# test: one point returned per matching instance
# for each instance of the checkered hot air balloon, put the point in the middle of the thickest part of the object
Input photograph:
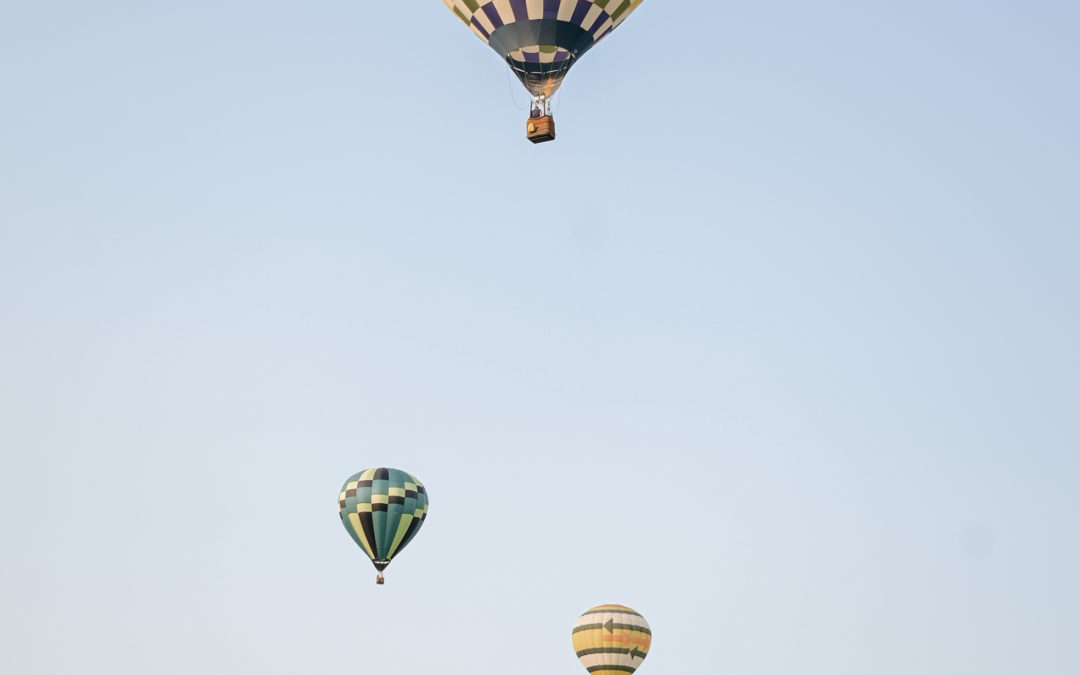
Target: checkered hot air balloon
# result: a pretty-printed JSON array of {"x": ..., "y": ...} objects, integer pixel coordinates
[
  {"x": 541, "y": 39},
  {"x": 382, "y": 509},
  {"x": 611, "y": 640}
]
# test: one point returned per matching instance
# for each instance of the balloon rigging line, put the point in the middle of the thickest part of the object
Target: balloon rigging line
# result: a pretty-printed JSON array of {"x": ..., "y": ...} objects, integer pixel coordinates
[{"x": 510, "y": 90}]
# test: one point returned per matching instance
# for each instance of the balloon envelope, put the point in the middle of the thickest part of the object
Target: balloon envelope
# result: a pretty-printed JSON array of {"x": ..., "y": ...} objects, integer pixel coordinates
[
  {"x": 611, "y": 639},
  {"x": 541, "y": 39},
  {"x": 382, "y": 509}
]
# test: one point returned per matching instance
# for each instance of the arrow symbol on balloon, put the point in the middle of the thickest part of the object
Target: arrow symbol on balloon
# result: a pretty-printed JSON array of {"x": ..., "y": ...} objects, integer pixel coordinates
[
  {"x": 635, "y": 653},
  {"x": 623, "y": 637}
]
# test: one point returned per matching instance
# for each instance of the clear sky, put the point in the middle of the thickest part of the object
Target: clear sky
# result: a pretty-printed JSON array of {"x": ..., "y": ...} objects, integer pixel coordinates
[{"x": 777, "y": 343}]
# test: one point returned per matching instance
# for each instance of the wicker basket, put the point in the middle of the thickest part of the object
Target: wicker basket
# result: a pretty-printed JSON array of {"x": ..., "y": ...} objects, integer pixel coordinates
[{"x": 540, "y": 129}]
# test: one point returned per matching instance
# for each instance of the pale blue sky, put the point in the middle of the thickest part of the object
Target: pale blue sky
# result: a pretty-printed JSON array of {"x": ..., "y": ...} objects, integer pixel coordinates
[{"x": 777, "y": 343}]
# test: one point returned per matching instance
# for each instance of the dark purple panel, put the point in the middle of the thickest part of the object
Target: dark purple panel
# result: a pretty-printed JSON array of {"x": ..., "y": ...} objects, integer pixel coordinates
[
  {"x": 583, "y": 7},
  {"x": 489, "y": 9},
  {"x": 480, "y": 27},
  {"x": 604, "y": 16}
]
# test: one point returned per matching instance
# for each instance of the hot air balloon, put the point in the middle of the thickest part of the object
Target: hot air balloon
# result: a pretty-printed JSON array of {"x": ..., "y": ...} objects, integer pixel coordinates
[
  {"x": 541, "y": 40},
  {"x": 611, "y": 639},
  {"x": 382, "y": 509}
]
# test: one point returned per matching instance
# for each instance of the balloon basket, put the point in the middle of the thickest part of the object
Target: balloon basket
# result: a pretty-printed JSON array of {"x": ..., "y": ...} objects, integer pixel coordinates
[
  {"x": 379, "y": 579},
  {"x": 540, "y": 129}
]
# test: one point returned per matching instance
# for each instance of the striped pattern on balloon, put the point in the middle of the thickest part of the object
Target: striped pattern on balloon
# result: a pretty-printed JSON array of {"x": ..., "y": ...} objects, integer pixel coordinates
[{"x": 611, "y": 639}]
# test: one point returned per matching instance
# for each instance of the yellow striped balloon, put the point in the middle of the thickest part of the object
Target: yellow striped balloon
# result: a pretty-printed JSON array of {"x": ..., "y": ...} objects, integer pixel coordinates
[{"x": 611, "y": 639}]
